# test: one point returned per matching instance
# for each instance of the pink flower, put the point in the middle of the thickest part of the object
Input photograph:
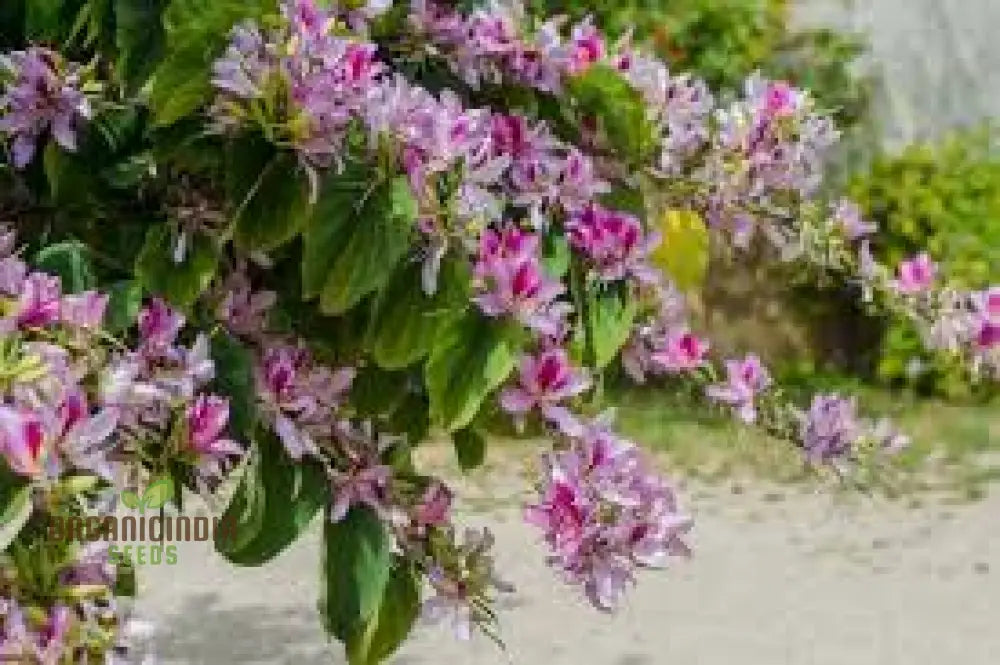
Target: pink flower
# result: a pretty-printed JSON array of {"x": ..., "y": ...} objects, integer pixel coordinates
[
  {"x": 207, "y": 419},
  {"x": 159, "y": 326},
  {"x": 915, "y": 275},
  {"x": 511, "y": 282},
  {"x": 84, "y": 310},
  {"x": 988, "y": 312},
  {"x": 745, "y": 379},
  {"x": 300, "y": 396},
  {"x": 682, "y": 351},
  {"x": 39, "y": 304},
  {"x": 614, "y": 242},
  {"x": 546, "y": 380},
  {"x": 781, "y": 99},
  {"x": 434, "y": 508},
  {"x": 365, "y": 480},
  {"x": 588, "y": 46},
  {"x": 604, "y": 514},
  {"x": 23, "y": 443}
]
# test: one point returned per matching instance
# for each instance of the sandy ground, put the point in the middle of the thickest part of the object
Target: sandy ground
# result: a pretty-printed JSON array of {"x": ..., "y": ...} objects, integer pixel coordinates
[{"x": 778, "y": 578}]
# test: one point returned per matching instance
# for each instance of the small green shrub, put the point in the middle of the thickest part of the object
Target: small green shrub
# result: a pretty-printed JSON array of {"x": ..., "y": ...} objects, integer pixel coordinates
[{"x": 944, "y": 197}]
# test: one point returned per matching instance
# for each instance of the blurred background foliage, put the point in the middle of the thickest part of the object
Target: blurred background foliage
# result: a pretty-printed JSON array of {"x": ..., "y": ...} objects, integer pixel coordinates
[{"x": 943, "y": 196}]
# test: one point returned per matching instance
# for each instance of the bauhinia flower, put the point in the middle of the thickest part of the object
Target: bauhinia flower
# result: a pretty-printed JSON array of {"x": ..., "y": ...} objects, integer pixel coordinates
[
  {"x": 300, "y": 396},
  {"x": 207, "y": 419},
  {"x": 604, "y": 513},
  {"x": 547, "y": 381},
  {"x": 515, "y": 284},
  {"x": 360, "y": 477},
  {"x": 614, "y": 242},
  {"x": 745, "y": 379},
  {"x": 915, "y": 275},
  {"x": 829, "y": 430},
  {"x": 45, "y": 96},
  {"x": 680, "y": 351}
]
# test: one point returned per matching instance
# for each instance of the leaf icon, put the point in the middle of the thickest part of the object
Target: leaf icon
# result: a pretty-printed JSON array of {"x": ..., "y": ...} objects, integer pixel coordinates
[
  {"x": 131, "y": 500},
  {"x": 159, "y": 493}
]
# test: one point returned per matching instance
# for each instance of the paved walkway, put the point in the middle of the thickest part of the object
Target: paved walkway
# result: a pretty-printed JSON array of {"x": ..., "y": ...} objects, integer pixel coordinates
[{"x": 798, "y": 580}]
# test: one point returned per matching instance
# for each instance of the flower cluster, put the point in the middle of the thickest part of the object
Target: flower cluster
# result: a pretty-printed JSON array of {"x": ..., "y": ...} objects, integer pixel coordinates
[
  {"x": 613, "y": 242},
  {"x": 831, "y": 430},
  {"x": 90, "y": 626},
  {"x": 604, "y": 513},
  {"x": 511, "y": 282},
  {"x": 328, "y": 78},
  {"x": 663, "y": 343},
  {"x": 44, "y": 95}
]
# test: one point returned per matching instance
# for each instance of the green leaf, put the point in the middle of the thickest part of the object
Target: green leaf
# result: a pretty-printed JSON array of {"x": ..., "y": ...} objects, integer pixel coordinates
[
  {"x": 179, "y": 283},
  {"x": 197, "y": 32},
  {"x": 43, "y": 20},
  {"x": 70, "y": 261},
  {"x": 124, "y": 303},
  {"x": 388, "y": 627},
  {"x": 234, "y": 378},
  {"x": 356, "y": 568},
  {"x": 328, "y": 229},
  {"x": 268, "y": 191},
  {"x": 471, "y": 358},
  {"x": 131, "y": 500},
  {"x": 15, "y": 505},
  {"x": 275, "y": 501},
  {"x": 610, "y": 314},
  {"x": 139, "y": 37},
  {"x": 683, "y": 252},
  {"x": 470, "y": 448},
  {"x": 556, "y": 255},
  {"x": 380, "y": 238},
  {"x": 602, "y": 92},
  {"x": 408, "y": 321},
  {"x": 159, "y": 493}
]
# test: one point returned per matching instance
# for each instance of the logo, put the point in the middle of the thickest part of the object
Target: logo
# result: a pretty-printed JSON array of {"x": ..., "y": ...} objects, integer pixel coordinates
[{"x": 148, "y": 537}]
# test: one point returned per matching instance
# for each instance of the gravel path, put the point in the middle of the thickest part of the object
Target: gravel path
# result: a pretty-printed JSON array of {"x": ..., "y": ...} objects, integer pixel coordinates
[{"x": 798, "y": 580}]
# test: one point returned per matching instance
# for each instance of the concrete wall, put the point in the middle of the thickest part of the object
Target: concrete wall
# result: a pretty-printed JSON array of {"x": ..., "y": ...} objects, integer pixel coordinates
[{"x": 938, "y": 60}]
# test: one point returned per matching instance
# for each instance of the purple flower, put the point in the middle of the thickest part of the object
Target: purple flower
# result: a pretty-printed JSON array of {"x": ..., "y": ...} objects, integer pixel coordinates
[
  {"x": 915, "y": 275},
  {"x": 159, "y": 326},
  {"x": 364, "y": 480},
  {"x": 588, "y": 46},
  {"x": 829, "y": 430},
  {"x": 681, "y": 351},
  {"x": 300, "y": 396},
  {"x": 511, "y": 282},
  {"x": 243, "y": 310},
  {"x": 44, "y": 96},
  {"x": 434, "y": 508},
  {"x": 449, "y": 604},
  {"x": 847, "y": 217},
  {"x": 546, "y": 380},
  {"x": 987, "y": 305},
  {"x": 745, "y": 379},
  {"x": 84, "y": 310},
  {"x": 207, "y": 420},
  {"x": 39, "y": 304},
  {"x": 22, "y": 442},
  {"x": 604, "y": 514},
  {"x": 614, "y": 242}
]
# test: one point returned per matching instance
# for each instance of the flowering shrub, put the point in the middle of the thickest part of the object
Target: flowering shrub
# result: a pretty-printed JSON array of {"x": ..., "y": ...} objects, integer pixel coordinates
[{"x": 338, "y": 232}]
